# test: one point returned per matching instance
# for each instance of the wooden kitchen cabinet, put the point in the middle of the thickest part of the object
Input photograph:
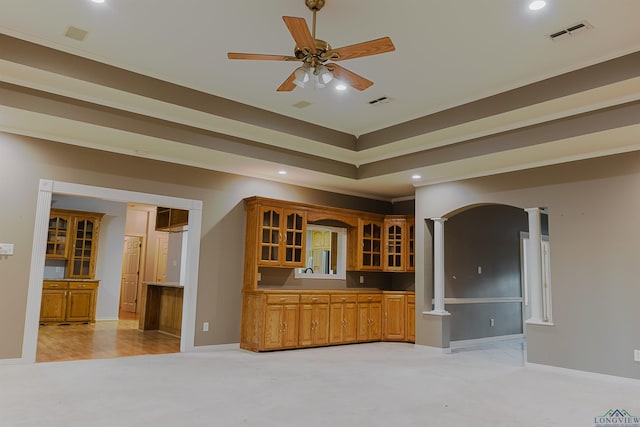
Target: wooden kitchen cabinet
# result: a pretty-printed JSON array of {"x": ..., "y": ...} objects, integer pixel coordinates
[
  {"x": 395, "y": 243},
  {"x": 411, "y": 244},
  {"x": 395, "y": 315},
  {"x": 58, "y": 234},
  {"x": 281, "y": 237},
  {"x": 171, "y": 219},
  {"x": 411, "y": 317},
  {"x": 369, "y": 317},
  {"x": 281, "y": 322},
  {"x": 314, "y": 320},
  {"x": 343, "y": 319},
  {"x": 68, "y": 302},
  {"x": 369, "y": 247}
]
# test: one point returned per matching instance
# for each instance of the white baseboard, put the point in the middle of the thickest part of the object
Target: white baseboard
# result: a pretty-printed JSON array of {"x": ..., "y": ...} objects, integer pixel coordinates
[
  {"x": 106, "y": 319},
  {"x": 430, "y": 349},
  {"x": 217, "y": 347},
  {"x": 470, "y": 343},
  {"x": 582, "y": 374},
  {"x": 20, "y": 361}
]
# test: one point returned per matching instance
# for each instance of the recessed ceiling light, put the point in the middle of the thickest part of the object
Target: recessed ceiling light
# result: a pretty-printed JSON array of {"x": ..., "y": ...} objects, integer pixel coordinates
[
  {"x": 98, "y": 1},
  {"x": 341, "y": 86},
  {"x": 537, "y": 4},
  {"x": 416, "y": 176},
  {"x": 282, "y": 172}
]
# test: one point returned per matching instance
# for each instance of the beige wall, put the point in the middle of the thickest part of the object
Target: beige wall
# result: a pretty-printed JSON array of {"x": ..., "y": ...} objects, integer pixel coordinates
[
  {"x": 24, "y": 161},
  {"x": 594, "y": 230}
]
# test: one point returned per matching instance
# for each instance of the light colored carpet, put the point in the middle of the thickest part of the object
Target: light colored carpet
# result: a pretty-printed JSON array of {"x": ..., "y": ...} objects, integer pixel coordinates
[{"x": 378, "y": 384}]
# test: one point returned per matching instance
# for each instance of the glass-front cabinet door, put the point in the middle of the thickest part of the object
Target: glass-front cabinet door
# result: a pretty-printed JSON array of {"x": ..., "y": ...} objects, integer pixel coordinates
[
  {"x": 371, "y": 245},
  {"x": 58, "y": 236},
  {"x": 294, "y": 242},
  {"x": 85, "y": 245},
  {"x": 269, "y": 236},
  {"x": 281, "y": 237},
  {"x": 394, "y": 257}
]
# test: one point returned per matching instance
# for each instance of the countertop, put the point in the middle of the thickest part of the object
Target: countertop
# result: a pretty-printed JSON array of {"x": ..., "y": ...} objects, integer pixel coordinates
[
  {"x": 165, "y": 284},
  {"x": 71, "y": 280}
]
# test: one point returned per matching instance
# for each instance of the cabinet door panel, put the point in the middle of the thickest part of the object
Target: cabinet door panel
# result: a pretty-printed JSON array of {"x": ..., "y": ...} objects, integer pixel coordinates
[
  {"x": 350, "y": 322},
  {"x": 306, "y": 325},
  {"x": 321, "y": 317},
  {"x": 54, "y": 305},
  {"x": 336, "y": 323},
  {"x": 80, "y": 305},
  {"x": 375, "y": 314},
  {"x": 411, "y": 322},
  {"x": 395, "y": 317},
  {"x": 363, "y": 322},
  {"x": 273, "y": 326},
  {"x": 290, "y": 320}
]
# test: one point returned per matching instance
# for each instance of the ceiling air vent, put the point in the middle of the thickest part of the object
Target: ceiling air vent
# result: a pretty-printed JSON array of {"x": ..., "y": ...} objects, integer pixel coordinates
[
  {"x": 76, "y": 33},
  {"x": 381, "y": 100},
  {"x": 571, "y": 30}
]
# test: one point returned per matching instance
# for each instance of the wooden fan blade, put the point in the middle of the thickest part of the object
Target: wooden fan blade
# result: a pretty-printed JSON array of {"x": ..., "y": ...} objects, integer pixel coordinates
[
  {"x": 288, "y": 85},
  {"x": 372, "y": 47},
  {"x": 352, "y": 79},
  {"x": 300, "y": 32},
  {"x": 261, "y": 57}
]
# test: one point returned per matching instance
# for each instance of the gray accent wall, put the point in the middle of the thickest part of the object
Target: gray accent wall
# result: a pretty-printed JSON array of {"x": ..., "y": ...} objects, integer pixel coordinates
[
  {"x": 25, "y": 161},
  {"x": 593, "y": 210}
]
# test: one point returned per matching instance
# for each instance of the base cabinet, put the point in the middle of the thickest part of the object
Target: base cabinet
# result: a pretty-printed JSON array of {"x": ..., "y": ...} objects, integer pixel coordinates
[
  {"x": 276, "y": 320},
  {"x": 314, "y": 320},
  {"x": 68, "y": 302},
  {"x": 161, "y": 308},
  {"x": 395, "y": 312},
  {"x": 342, "y": 319},
  {"x": 411, "y": 318},
  {"x": 369, "y": 317}
]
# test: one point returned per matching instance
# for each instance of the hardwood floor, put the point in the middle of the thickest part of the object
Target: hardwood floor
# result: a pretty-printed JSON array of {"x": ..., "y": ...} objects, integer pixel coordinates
[{"x": 101, "y": 340}]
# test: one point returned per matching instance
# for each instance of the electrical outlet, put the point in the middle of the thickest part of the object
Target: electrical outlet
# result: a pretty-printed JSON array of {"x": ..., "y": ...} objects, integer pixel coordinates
[
  {"x": 492, "y": 322},
  {"x": 361, "y": 279},
  {"x": 205, "y": 327},
  {"x": 6, "y": 248},
  {"x": 636, "y": 355},
  {"x": 479, "y": 269}
]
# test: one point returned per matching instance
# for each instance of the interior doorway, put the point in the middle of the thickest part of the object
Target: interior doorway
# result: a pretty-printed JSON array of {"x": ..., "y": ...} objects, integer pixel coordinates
[
  {"x": 131, "y": 268},
  {"x": 192, "y": 252}
]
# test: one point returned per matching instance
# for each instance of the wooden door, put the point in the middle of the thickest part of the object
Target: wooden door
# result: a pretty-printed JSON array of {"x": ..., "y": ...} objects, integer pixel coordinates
[
  {"x": 162, "y": 253},
  {"x": 290, "y": 325},
  {"x": 58, "y": 236},
  {"x": 80, "y": 305},
  {"x": 130, "y": 273},
  {"x": 350, "y": 322},
  {"x": 395, "y": 308},
  {"x": 85, "y": 246},
  {"x": 293, "y": 239},
  {"x": 336, "y": 323},
  {"x": 307, "y": 324},
  {"x": 375, "y": 314},
  {"x": 54, "y": 305},
  {"x": 273, "y": 326},
  {"x": 321, "y": 318},
  {"x": 394, "y": 244},
  {"x": 411, "y": 319},
  {"x": 269, "y": 236},
  {"x": 363, "y": 322}
]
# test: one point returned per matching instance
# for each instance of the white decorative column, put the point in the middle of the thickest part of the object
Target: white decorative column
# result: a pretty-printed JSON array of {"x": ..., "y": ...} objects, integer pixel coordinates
[
  {"x": 534, "y": 265},
  {"x": 438, "y": 266}
]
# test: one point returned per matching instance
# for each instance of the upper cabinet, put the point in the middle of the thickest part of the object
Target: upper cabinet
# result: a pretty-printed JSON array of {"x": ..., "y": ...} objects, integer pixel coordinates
[
  {"x": 170, "y": 219},
  {"x": 395, "y": 241},
  {"x": 369, "y": 255},
  {"x": 281, "y": 237},
  {"x": 411, "y": 244},
  {"x": 73, "y": 236},
  {"x": 58, "y": 235}
]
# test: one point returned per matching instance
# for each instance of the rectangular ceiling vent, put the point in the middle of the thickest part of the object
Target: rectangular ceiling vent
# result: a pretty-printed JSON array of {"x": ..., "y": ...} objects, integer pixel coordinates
[
  {"x": 571, "y": 30},
  {"x": 381, "y": 100},
  {"x": 76, "y": 33}
]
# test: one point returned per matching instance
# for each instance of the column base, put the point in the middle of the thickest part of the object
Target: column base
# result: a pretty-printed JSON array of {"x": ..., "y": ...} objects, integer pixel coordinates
[{"x": 437, "y": 312}]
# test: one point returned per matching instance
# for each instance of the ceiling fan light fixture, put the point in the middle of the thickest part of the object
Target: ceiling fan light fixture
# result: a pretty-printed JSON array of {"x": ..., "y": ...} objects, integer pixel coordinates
[
  {"x": 324, "y": 74},
  {"x": 302, "y": 75}
]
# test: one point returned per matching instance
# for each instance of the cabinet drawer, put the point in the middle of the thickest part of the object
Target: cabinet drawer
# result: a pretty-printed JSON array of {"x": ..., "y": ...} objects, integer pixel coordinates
[
  {"x": 411, "y": 298},
  {"x": 344, "y": 298},
  {"x": 314, "y": 299},
  {"x": 282, "y": 298},
  {"x": 83, "y": 285},
  {"x": 369, "y": 297},
  {"x": 55, "y": 285}
]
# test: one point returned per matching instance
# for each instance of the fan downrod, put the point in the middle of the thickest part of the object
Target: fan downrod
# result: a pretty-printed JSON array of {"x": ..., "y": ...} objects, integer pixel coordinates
[{"x": 314, "y": 5}]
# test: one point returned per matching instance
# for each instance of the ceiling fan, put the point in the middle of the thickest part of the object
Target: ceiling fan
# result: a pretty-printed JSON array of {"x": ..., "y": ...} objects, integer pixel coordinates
[{"x": 315, "y": 55}]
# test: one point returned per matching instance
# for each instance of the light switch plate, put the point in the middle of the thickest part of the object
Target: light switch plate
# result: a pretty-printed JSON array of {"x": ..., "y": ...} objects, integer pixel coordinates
[
  {"x": 636, "y": 355},
  {"x": 6, "y": 248}
]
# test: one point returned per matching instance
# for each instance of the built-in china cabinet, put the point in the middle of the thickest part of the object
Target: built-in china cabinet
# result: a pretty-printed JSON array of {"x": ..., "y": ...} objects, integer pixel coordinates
[{"x": 285, "y": 235}]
